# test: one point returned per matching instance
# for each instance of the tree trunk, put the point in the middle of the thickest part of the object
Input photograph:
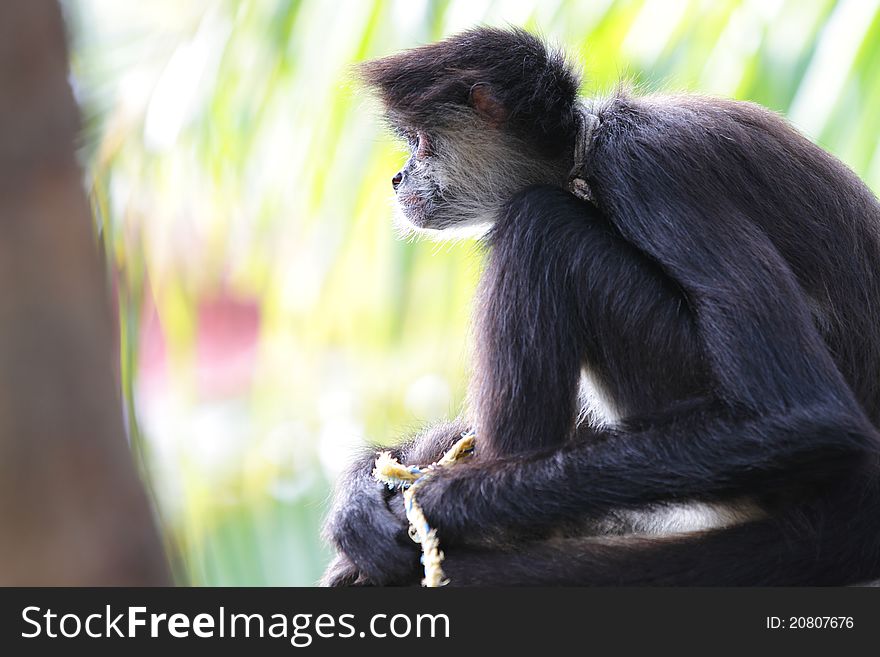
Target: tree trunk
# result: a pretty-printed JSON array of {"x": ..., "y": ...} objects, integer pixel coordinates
[{"x": 72, "y": 508}]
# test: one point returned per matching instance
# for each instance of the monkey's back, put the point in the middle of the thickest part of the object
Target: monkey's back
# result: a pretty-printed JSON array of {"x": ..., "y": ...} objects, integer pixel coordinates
[{"x": 822, "y": 219}]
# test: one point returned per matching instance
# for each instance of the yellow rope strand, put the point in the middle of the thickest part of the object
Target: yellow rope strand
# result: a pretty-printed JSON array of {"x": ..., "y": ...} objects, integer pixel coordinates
[{"x": 392, "y": 473}]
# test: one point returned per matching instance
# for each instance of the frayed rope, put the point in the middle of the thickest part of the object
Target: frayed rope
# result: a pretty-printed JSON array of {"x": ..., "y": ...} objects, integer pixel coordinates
[{"x": 393, "y": 474}]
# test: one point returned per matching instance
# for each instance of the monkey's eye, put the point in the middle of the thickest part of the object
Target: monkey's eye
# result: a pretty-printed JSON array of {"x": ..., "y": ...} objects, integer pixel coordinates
[{"x": 423, "y": 146}]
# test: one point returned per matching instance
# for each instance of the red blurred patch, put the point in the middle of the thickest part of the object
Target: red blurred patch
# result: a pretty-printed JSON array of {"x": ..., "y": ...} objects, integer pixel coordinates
[{"x": 225, "y": 350}]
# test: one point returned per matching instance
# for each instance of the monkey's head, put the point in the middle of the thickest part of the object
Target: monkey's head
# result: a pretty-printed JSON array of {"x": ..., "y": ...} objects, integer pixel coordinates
[{"x": 485, "y": 113}]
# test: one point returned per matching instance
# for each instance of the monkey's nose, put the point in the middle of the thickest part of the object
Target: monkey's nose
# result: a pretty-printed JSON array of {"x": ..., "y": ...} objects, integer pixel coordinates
[{"x": 396, "y": 180}]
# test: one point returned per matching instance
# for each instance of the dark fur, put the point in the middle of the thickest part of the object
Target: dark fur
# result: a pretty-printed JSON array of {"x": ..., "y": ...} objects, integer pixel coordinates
[
  {"x": 725, "y": 290},
  {"x": 419, "y": 87}
]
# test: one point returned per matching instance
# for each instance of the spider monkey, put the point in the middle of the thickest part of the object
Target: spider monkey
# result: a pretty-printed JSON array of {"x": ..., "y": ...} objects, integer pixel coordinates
[{"x": 677, "y": 376}]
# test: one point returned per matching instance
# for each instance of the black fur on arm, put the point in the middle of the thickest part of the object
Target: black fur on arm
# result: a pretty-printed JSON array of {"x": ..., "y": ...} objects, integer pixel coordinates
[
  {"x": 527, "y": 342},
  {"x": 708, "y": 454},
  {"x": 563, "y": 291}
]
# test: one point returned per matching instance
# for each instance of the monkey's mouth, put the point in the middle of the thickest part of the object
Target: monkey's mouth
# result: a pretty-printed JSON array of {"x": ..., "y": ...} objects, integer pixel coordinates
[
  {"x": 410, "y": 199},
  {"x": 414, "y": 207}
]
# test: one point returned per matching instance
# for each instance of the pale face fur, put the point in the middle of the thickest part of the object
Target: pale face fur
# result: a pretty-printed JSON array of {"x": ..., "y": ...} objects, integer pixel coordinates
[{"x": 457, "y": 180}]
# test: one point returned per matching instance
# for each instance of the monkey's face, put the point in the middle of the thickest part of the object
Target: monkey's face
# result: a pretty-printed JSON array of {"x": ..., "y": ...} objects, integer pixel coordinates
[
  {"x": 486, "y": 113},
  {"x": 416, "y": 185},
  {"x": 460, "y": 175}
]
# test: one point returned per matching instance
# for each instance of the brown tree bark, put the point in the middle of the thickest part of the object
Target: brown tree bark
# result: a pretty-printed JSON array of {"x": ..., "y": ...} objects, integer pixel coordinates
[{"x": 72, "y": 508}]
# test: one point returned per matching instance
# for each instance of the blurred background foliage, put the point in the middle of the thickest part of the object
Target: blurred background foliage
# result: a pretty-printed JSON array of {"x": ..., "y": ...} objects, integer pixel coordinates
[{"x": 269, "y": 320}]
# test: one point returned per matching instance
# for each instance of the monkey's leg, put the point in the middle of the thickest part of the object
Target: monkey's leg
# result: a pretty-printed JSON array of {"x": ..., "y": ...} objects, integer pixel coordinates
[{"x": 828, "y": 544}]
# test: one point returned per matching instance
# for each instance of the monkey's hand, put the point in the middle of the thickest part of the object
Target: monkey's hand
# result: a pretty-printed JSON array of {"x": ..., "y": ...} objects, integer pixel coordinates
[
  {"x": 470, "y": 502},
  {"x": 367, "y": 522},
  {"x": 445, "y": 501},
  {"x": 368, "y": 527}
]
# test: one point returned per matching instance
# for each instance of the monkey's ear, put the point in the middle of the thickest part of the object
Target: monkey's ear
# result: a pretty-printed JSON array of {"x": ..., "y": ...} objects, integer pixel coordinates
[{"x": 487, "y": 104}]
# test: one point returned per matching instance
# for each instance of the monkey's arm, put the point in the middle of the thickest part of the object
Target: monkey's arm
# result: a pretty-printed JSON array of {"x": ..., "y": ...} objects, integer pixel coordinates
[
  {"x": 563, "y": 291},
  {"x": 531, "y": 341},
  {"x": 707, "y": 454}
]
